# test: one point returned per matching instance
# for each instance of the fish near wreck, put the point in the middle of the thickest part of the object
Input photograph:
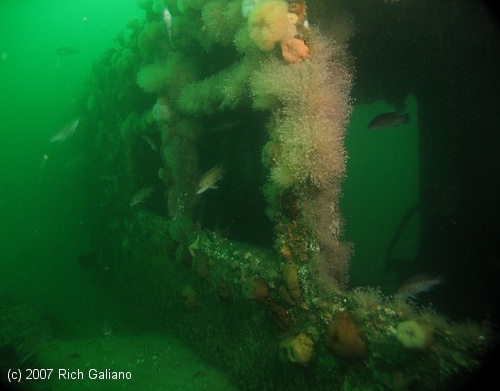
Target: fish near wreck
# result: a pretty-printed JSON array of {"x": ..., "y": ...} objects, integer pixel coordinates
[
  {"x": 167, "y": 19},
  {"x": 386, "y": 120},
  {"x": 67, "y": 51},
  {"x": 141, "y": 195},
  {"x": 417, "y": 284},
  {"x": 150, "y": 142},
  {"x": 210, "y": 178},
  {"x": 66, "y": 132}
]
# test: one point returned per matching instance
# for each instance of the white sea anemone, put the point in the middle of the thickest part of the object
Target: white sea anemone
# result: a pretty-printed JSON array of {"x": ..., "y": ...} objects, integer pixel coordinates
[{"x": 416, "y": 334}]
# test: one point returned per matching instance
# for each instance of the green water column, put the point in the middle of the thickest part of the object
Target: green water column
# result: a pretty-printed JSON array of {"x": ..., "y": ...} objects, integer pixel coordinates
[{"x": 382, "y": 184}]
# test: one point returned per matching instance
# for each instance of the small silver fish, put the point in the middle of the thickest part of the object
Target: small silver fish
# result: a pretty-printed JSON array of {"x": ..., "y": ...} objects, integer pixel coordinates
[
  {"x": 67, "y": 50},
  {"x": 167, "y": 19},
  {"x": 73, "y": 162},
  {"x": 150, "y": 142},
  {"x": 419, "y": 283},
  {"x": 386, "y": 120},
  {"x": 210, "y": 178},
  {"x": 141, "y": 195},
  {"x": 67, "y": 131},
  {"x": 225, "y": 126},
  {"x": 109, "y": 178}
]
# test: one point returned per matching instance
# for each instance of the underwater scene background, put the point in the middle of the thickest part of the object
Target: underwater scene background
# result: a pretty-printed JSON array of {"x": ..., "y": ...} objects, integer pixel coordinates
[{"x": 249, "y": 194}]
